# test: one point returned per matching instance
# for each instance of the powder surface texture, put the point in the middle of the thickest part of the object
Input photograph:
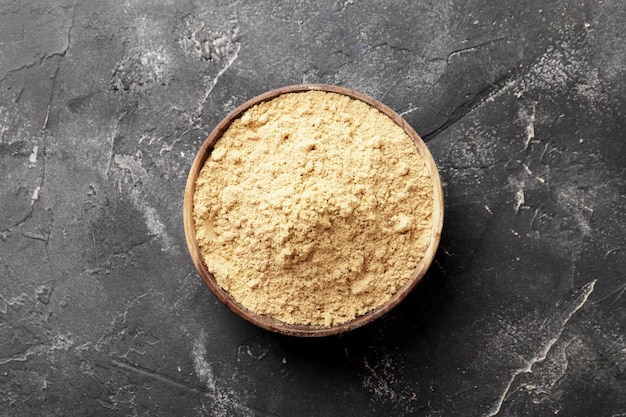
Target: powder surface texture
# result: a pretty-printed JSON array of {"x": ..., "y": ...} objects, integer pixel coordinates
[{"x": 313, "y": 208}]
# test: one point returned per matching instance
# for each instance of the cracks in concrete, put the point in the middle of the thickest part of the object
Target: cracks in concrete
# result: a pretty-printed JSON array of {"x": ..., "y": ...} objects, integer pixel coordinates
[
  {"x": 213, "y": 82},
  {"x": 553, "y": 70},
  {"x": 27, "y": 316},
  {"x": 618, "y": 293},
  {"x": 22, "y": 67},
  {"x": 473, "y": 48},
  {"x": 408, "y": 111},
  {"x": 390, "y": 46},
  {"x": 556, "y": 326},
  {"x": 69, "y": 31},
  {"x": 118, "y": 332},
  {"x": 38, "y": 60},
  {"x": 481, "y": 97},
  {"x": 215, "y": 79},
  {"x": 23, "y": 356},
  {"x": 168, "y": 148},
  {"x": 132, "y": 303},
  {"x": 40, "y": 151},
  {"x": 30, "y": 235},
  {"x": 217, "y": 50},
  {"x": 155, "y": 376},
  {"x": 39, "y": 148}
]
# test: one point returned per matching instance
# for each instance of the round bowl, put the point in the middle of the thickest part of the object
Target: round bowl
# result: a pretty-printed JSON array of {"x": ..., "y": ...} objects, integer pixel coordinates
[{"x": 297, "y": 329}]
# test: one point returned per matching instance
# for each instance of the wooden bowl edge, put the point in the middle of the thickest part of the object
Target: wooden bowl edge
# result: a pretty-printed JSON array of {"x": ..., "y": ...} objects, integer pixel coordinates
[{"x": 273, "y": 324}]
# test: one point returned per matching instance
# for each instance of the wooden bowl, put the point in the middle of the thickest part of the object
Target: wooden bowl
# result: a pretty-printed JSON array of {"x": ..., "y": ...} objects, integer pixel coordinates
[{"x": 268, "y": 322}]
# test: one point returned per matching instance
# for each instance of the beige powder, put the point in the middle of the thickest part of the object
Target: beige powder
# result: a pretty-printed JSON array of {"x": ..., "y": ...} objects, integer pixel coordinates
[{"x": 313, "y": 208}]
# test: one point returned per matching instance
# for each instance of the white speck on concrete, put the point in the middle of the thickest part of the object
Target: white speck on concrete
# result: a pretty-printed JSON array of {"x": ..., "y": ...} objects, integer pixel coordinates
[
  {"x": 35, "y": 195},
  {"x": 32, "y": 158},
  {"x": 519, "y": 197},
  {"x": 527, "y": 116}
]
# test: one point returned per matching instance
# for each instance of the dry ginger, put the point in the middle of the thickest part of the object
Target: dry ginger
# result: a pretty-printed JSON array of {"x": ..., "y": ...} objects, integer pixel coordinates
[{"x": 313, "y": 208}]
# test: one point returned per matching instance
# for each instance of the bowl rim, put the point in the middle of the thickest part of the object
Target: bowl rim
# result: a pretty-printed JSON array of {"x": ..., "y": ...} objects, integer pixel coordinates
[{"x": 301, "y": 330}]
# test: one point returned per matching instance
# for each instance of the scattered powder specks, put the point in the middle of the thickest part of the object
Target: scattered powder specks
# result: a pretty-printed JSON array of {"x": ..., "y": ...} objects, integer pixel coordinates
[
  {"x": 200, "y": 364},
  {"x": 133, "y": 175},
  {"x": 223, "y": 400}
]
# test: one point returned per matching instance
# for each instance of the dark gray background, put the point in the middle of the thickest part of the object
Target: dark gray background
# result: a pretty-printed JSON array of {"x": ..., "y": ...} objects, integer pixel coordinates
[{"x": 104, "y": 104}]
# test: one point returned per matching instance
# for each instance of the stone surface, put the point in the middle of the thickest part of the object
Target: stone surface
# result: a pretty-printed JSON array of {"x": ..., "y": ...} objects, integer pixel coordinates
[{"x": 102, "y": 108}]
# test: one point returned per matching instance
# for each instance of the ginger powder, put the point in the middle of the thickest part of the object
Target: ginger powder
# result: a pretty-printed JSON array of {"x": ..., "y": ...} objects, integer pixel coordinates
[{"x": 313, "y": 208}]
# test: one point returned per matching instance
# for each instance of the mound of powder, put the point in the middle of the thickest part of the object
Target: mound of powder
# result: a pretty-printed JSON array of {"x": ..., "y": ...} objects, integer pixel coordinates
[{"x": 313, "y": 208}]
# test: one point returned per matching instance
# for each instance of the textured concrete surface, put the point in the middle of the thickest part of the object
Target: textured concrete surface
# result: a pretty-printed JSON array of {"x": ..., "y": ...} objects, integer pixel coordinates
[{"x": 104, "y": 104}]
